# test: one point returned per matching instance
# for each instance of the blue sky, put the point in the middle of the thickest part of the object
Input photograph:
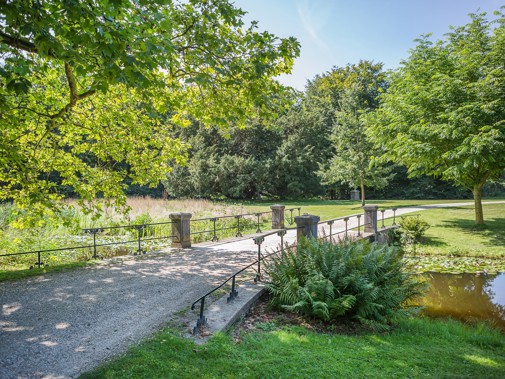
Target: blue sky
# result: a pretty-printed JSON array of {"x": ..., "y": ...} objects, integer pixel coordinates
[{"x": 338, "y": 32}]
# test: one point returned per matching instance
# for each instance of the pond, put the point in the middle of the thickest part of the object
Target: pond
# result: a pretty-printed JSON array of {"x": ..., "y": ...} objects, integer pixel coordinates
[{"x": 467, "y": 297}]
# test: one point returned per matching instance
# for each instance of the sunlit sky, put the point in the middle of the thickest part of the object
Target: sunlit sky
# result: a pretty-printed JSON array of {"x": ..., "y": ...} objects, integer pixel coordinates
[{"x": 338, "y": 32}]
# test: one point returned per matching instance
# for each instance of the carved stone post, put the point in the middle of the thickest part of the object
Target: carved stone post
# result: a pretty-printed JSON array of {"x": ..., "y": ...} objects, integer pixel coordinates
[
  {"x": 306, "y": 226},
  {"x": 277, "y": 216},
  {"x": 181, "y": 229},
  {"x": 371, "y": 218}
]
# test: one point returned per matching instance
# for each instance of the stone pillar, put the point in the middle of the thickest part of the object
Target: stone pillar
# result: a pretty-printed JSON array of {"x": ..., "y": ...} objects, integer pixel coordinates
[
  {"x": 370, "y": 218},
  {"x": 277, "y": 216},
  {"x": 355, "y": 195},
  {"x": 181, "y": 229},
  {"x": 306, "y": 226}
]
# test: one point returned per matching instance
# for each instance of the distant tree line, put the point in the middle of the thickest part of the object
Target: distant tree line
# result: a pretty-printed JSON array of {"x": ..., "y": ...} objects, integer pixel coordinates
[{"x": 311, "y": 149}]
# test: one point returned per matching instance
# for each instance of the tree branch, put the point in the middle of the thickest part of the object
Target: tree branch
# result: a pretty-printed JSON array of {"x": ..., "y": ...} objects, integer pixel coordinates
[
  {"x": 34, "y": 111},
  {"x": 18, "y": 43},
  {"x": 74, "y": 95},
  {"x": 188, "y": 28}
]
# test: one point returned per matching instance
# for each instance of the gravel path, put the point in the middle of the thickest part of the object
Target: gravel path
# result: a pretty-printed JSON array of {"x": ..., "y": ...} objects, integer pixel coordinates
[
  {"x": 60, "y": 325},
  {"x": 63, "y": 324}
]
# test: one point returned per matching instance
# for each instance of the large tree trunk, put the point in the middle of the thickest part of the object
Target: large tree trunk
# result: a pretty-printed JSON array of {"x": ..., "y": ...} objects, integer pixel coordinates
[
  {"x": 362, "y": 191},
  {"x": 477, "y": 199}
]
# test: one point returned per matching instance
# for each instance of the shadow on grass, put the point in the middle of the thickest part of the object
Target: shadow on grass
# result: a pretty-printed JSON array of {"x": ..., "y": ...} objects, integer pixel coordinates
[
  {"x": 433, "y": 241},
  {"x": 492, "y": 231}
]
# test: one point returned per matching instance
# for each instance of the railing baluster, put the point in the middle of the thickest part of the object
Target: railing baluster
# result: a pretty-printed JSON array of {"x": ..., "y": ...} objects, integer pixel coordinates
[
  {"x": 258, "y": 241},
  {"x": 330, "y": 223},
  {"x": 282, "y": 233},
  {"x": 214, "y": 237},
  {"x": 39, "y": 260},
  {"x": 258, "y": 230},
  {"x": 95, "y": 255},
  {"x": 238, "y": 226},
  {"x": 383, "y": 211},
  {"x": 233, "y": 293},
  {"x": 346, "y": 220},
  {"x": 202, "y": 320},
  {"x": 139, "y": 228},
  {"x": 359, "y": 218},
  {"x": 394, "y": 216}
]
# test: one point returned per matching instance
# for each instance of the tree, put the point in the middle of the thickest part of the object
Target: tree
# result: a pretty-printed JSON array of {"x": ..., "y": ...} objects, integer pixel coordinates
[
  {"x": 355, "y": 92},
  {"x": 305, "y": 144},
  {"x": 443, "y": 114},
  {"x": 233, "y": 163},
  {"x": 85, "y": 86}
]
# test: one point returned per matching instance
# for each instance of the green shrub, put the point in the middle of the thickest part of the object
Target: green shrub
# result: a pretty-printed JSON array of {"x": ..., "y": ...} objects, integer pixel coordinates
[
  {"x": 412, "y": 229},
  {"x": 356, "y": 280}
]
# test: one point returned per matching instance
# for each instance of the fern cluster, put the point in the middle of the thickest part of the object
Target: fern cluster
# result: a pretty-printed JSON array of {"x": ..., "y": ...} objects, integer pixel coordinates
[{"x": 358, "y": 280}]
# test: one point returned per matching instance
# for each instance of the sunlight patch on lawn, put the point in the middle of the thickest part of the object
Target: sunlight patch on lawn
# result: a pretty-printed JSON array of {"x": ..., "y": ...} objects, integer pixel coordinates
[
  {"x": 289, "y": 337},
  {"x": 483, "y": 361}
]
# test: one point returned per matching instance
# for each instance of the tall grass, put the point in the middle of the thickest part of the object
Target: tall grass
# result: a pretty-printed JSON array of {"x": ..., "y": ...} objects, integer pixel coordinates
[{"x": 66, "y": 230}]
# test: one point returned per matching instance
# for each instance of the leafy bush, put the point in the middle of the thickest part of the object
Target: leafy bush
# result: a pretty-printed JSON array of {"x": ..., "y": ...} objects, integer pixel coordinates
[
  {"x": 356, "y": 280},
  {"x": 412, "y": 229}
]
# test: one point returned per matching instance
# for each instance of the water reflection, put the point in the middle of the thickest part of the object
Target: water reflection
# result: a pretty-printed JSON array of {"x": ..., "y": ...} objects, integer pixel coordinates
[{"x": 468, "y": 297}]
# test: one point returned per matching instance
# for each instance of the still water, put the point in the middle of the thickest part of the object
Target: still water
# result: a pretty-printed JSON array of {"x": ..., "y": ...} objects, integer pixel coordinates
[{"x": 468, "y": 297}]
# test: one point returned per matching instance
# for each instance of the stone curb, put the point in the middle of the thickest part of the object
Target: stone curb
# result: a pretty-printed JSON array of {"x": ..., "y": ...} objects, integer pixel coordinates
[{"x": 221, "y": 314}]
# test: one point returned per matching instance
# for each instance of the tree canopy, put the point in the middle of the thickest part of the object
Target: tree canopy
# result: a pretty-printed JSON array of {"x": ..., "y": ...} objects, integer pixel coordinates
[
  {"x": 443, "y": 114},
  {"x": 91, "y": 90},
  {"x": 354, "y": 93}
]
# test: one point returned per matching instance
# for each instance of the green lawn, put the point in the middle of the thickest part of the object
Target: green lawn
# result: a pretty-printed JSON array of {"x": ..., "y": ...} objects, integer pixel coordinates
[
  {"x": 453, "y": 232},
  {"x": 417, "y": 348},
  {"x": 454, "y": 243},
  {"x": 328, "y": 209}
]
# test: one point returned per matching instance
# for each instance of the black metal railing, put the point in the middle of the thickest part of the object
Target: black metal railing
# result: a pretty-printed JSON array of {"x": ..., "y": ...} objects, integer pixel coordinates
[
  {"x": 211, "y": 226},
  {"x": 142, "y": 233},
  {"x": 330, "y": 223},
  {"x": 247, "y": 221},
  {"x": 291, "y": 219},
  {"x": 382, "y": 216},
  {"x": 358, "y": 227},
  {"x": 255, "y": 266},
  {"x": 259, "y": 240}
]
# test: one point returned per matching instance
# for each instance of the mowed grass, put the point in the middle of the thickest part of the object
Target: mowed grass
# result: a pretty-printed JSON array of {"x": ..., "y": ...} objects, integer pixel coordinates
[
  {"x": 453, "y": 232},
  {"x": 417, "y": 348},
  {"x": 328, "y": 209}
]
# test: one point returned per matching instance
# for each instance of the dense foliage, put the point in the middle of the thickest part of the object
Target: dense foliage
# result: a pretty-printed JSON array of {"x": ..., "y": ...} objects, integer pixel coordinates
[
  {"x": 90, "y": 91},
  {"x": 102, "y": 99},
  {"x": 443, "y": 114},
  {"x": 260, "y": 160},
  {"x": 356, "y": 280},
  {"x": 348, "y": 94},
  {"x": 412, "y": 229}
]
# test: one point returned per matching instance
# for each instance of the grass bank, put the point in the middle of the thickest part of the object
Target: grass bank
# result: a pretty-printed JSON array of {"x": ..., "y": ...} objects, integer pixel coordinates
[
  {"x": 453, "y": 232},
  {"x": 417, "y": 348},
  {"x": 454, "y": 243}
]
